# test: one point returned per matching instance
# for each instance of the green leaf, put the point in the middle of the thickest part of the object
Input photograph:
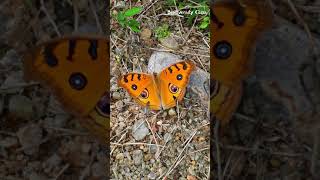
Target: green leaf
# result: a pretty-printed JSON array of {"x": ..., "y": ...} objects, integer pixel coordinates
[
  {"x": 133, "y": 11},
  {"x": 134, "y": 25},
  {"x": 133, "y": 22},
  {"x": 121, "y": 19},
  {"x": 135, "y": 29},
  {"x": 204, "y": 24}
]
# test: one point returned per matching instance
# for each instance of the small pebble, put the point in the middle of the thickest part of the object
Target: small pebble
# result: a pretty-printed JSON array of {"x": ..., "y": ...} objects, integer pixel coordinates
[
  {"x": 172, "y": 112},
  {"x": 119, "y": 105},
  {"x": 170, "y": 42},
  {"x": 120, "y": 156},
  {"x": 137, "y": 156},
  {"x": 116, "y": 95},
  {"x": 140, "y": 130},
  {"x": 152, "y": 175}
]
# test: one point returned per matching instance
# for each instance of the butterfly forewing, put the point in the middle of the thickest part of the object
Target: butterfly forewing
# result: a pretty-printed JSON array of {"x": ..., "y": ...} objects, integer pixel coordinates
[
  {"x": 142, "y": 87},
  {"x": 173, "y": 81}
]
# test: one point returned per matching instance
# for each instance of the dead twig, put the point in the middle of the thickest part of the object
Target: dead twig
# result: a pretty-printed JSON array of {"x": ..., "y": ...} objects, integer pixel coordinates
[{"x": 44, "y": 9}]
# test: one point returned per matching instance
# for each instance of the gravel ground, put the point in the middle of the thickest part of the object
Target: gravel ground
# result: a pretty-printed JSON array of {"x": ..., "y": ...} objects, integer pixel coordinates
[{"x": 174, "y": 143}]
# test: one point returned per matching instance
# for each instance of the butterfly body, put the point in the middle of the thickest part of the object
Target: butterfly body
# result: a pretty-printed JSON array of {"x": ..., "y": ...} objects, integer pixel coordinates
[
  {"x": 158, "y": 91},
  {"x": 76, "y": 69}
]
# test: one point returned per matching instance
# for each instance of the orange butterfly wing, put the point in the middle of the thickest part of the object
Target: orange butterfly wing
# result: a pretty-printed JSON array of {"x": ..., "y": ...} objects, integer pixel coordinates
[
  {"x": 224, "y": 101},
  {"x": 76, "y": 68},
  {"x": 142, "y": 87},
  {"x": 173, "y": 81},
  {"x": 234, "y": 30}
]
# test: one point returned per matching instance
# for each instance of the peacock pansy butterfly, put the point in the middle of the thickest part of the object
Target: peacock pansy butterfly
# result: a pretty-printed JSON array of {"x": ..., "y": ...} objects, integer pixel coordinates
[
  {"x": 234, "y": 29},
  {"x": 76, "y": 68},
  {"x": 159, "y": 91}
]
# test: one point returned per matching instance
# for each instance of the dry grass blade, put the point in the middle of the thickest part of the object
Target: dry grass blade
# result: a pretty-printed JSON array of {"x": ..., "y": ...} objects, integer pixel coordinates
[
  {"x": 305, "y": 25},
  {"x": 76, "y": 15},
  {"x": 44, "y": 9},
  {"x": 94, "y": 11}
]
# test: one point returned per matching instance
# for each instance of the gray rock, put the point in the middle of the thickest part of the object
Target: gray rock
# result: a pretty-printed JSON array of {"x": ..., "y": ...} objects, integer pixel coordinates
[
  {"x": 199, "y": 79},
  {"x": 284, "y": 69},
  {"x": 140, "y": 130},
  {"x": 280, "y": 55},
  {"x": 172, "y": 112}
]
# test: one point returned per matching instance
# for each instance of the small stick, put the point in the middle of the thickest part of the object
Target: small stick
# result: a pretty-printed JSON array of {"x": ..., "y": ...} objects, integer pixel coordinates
[
  {"x": 133, "y": 143},
  {"x": 185, "y": 39},
  {"x": 76, "y": 15},
  {"x": 93, "y": 9},
  {"x": 65, "y": 167}
]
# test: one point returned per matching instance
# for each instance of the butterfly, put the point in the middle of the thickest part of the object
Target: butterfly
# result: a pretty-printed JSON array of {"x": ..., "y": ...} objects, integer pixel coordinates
[
  {"x": 76, "y": 69},
  {"x": 234, "y": 29},
  {"x": 159, "y": 91}
]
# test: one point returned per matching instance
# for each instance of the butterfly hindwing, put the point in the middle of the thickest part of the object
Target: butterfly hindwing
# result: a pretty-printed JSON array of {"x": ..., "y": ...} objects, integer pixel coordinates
[
  {"x": 224, "y": 100},
  {"x": 173, "y": 81},
  {"x": 142, "y": 87}
]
